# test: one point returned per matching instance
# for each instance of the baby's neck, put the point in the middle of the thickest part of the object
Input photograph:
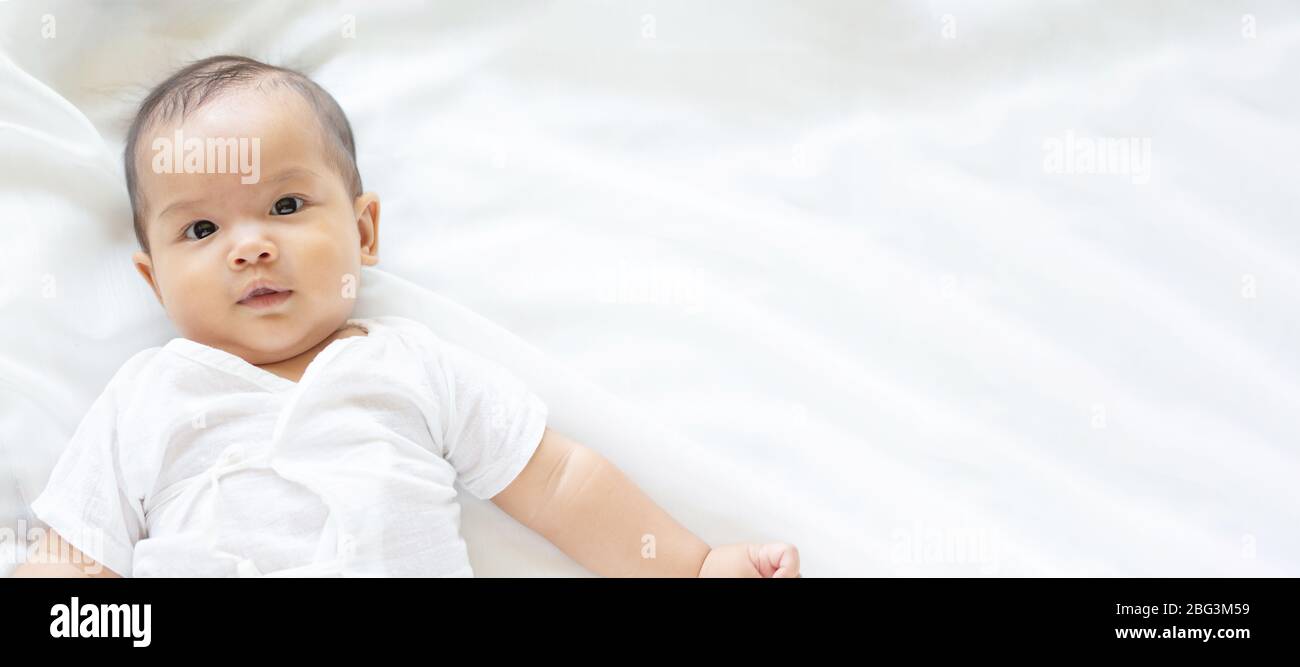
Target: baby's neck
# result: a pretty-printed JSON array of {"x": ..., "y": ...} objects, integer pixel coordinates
[{"x": 292, "y": 369}]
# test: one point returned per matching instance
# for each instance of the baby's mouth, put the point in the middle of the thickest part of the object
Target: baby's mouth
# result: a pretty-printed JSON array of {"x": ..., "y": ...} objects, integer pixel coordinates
[{"x": 265, "y": 298}]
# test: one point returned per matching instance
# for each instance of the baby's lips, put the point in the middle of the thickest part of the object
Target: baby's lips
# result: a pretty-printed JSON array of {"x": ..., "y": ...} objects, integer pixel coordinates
[
  {"x": 261, "y": 286},
  {"x": 260, "y": 293}
]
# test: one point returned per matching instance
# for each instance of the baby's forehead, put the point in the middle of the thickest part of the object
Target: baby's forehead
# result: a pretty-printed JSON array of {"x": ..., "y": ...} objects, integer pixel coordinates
[
  {"x": 248, "y": 114},
  {"x": 249, "y": 129}
]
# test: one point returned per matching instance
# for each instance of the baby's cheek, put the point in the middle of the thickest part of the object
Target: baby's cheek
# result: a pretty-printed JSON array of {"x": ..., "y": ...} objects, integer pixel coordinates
[
  {"x": 342, "y": 279},
  {"x": 194, "y": 314},
  {"x": 194, "y": 305}
]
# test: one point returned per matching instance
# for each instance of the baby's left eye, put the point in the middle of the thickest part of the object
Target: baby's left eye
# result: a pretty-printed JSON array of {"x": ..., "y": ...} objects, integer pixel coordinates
[{"x": 286, "y": 206}]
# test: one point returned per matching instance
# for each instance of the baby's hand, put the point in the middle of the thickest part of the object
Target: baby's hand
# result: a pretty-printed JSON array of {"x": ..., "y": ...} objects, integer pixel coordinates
[{"x": 776, "y": 560}]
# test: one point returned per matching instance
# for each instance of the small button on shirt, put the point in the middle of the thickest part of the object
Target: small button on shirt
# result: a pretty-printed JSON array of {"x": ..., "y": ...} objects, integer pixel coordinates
[{"x": 193, "y": 462}]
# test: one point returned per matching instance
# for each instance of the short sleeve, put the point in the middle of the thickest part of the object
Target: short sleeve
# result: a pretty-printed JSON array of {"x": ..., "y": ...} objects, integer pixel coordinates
[
  {"x": 86, "y": 499},
  {"x": 493, "y": 423}
]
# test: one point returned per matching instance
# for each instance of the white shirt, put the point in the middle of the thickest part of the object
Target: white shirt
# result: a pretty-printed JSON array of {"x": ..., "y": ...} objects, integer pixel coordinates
[{"x": 194, "y": 462}]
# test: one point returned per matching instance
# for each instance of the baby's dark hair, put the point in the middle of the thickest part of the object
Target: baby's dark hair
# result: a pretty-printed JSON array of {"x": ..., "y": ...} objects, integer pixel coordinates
[{"x": 198, "y": 83}]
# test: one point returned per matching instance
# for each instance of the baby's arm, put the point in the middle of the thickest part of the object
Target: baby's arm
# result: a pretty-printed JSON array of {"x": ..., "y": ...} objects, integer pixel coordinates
[
  {"x": 56, "y": 557},
  {"x": 588, "y": 508}
]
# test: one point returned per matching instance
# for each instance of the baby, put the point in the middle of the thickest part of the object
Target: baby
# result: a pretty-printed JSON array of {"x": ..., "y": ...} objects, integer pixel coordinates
[{"x": 281, "y": 436}]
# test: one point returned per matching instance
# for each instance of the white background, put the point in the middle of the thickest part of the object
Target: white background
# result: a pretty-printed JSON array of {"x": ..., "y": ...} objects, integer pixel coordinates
[{"x": 817, "y": 240}]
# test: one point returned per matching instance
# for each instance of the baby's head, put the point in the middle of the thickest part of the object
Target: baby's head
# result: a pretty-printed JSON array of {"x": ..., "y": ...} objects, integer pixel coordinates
[{"x": 241, "y": 173}]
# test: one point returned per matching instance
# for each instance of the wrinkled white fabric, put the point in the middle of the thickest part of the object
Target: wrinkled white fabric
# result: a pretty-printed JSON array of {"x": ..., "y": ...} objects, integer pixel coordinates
[
  {"x": 193, "y": 462},
  {"x": 797, "y": 268}
]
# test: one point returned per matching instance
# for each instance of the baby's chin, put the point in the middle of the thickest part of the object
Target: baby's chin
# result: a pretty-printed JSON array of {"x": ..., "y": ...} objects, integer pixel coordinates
[
  {"x": 263, "y": 344},
  {"x": 263, "y": 355}
]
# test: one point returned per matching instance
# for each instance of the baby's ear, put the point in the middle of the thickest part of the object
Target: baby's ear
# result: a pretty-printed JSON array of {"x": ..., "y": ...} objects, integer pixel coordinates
[
  {"x": 367, "y": 212},
  {"x": 144, "y": 264}
]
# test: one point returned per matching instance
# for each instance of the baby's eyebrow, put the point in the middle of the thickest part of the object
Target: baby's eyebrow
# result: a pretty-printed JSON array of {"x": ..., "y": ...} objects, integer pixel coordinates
[
  {"x": 290, "y": 173},
  {"x": 178, "y": 204},
  {"x": 285, "y": 174}
]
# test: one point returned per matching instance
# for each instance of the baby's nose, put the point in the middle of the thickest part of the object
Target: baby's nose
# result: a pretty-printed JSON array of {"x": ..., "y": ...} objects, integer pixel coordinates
[
  {"x": 265, "y": 255},
  {"x": 253, "y": 251}
]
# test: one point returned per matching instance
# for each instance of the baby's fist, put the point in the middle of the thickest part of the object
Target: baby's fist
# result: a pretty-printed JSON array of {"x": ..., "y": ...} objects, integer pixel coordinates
[{"x": 776, "y": 561}]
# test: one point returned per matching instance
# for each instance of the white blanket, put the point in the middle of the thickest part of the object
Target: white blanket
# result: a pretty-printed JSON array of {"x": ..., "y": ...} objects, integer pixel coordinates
[{"x": 824, "y": 273}]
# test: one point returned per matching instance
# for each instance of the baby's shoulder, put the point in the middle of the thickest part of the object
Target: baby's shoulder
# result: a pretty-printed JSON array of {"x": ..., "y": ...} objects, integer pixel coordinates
[
  {"x": 130, "y": 371},
  {"x": 413, "y": 332},
  {"x": 396, "y": 323},
  {"x": 148, "y": 383},
  {"x": 141, "y": 363},
  {"x": 439, "y": 354}
]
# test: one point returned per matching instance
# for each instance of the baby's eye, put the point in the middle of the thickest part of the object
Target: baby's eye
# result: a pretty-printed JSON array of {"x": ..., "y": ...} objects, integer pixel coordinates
[
  {"x": 286, "y": 206},
  {"x": 196, "y": 226}
]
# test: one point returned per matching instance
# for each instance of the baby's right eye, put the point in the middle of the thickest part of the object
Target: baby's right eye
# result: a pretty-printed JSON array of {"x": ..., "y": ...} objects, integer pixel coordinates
[{"x": 195, "y": 226}]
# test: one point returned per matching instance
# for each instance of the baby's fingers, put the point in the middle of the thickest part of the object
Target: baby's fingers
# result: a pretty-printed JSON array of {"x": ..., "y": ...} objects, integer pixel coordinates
[{"x": 779, "y": 561}]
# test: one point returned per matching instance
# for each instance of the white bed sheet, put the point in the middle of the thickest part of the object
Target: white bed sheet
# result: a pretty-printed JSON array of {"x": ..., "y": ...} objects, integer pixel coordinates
[{"x": 797, "y": 267}]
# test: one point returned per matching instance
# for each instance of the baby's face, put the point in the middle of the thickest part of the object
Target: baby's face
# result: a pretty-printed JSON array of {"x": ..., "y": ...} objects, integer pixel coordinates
[{"x": 213, "y": 237}]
